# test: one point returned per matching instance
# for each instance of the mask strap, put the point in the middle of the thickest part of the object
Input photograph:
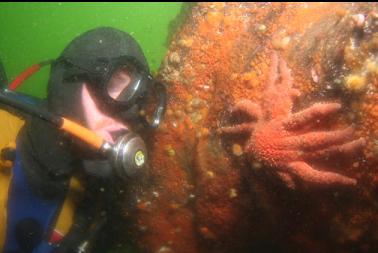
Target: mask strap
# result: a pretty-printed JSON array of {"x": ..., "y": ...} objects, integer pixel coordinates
[{"x": 161, "y": 91}]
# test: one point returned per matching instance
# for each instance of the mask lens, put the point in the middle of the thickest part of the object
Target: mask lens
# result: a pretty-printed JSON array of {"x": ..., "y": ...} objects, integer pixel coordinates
[{"x": 119, "y": 83}]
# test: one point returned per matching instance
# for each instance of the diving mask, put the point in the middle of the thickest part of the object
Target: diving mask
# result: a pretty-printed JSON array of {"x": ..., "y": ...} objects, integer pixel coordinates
[{"x": 118, "y": 84}]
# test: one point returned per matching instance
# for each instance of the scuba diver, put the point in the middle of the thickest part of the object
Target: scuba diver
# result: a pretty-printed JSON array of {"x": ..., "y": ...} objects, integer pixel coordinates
[{"x": 97, "y": 89}]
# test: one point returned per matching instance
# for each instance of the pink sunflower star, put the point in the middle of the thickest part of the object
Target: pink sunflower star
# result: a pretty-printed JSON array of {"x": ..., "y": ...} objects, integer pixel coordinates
[{"x": 277, "y": 136}]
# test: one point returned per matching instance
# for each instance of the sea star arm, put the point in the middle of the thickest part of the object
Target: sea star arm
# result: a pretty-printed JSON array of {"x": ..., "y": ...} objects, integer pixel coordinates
[
  {"x": 311, "y": 114},
  {"x": 279, "y": 92},
  {"x": 344, "y": 149},
  {"x": 318, "y": 140},
  {"x": 273, "y": 73},
  {"x": 286, "y": 81},
  {"x": 252, "y": 110},
  {"x": 308, "y": 174},
  {"x": 244, "y": 128},
  {"x": 247, "y": 107},
  {"x": 287, "y": 179}
]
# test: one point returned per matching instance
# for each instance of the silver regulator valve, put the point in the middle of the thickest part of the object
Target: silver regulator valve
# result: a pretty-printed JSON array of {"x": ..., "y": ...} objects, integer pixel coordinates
[{"x": 128, "y": 156}]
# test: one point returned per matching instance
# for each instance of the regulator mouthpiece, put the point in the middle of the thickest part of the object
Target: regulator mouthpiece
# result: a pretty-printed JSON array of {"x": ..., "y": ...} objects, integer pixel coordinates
[{"x": 128, "y": 155}]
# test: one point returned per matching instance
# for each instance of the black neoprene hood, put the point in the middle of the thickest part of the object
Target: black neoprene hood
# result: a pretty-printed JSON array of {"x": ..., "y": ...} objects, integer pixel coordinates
[
  {"x": 88, "y": 50},
  {"x": 105, "y": 42}
]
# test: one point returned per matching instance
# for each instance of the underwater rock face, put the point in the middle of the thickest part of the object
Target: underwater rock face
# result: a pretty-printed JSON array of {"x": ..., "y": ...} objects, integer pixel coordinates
[{"x": 211, "y": 192}]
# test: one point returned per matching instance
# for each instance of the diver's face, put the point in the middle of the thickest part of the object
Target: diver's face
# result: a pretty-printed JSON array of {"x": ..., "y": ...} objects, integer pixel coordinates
[
  {"x": 102, "y": 124},
  {"x": 119, "y": 82}
]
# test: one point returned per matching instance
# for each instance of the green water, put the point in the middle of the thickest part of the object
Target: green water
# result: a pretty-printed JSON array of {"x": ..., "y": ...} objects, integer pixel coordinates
[{"x": 31, "y": 32}]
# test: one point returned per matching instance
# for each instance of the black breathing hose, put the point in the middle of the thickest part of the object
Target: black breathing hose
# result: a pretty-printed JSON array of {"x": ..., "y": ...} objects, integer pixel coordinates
[{"x": 23, "y": 103}]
